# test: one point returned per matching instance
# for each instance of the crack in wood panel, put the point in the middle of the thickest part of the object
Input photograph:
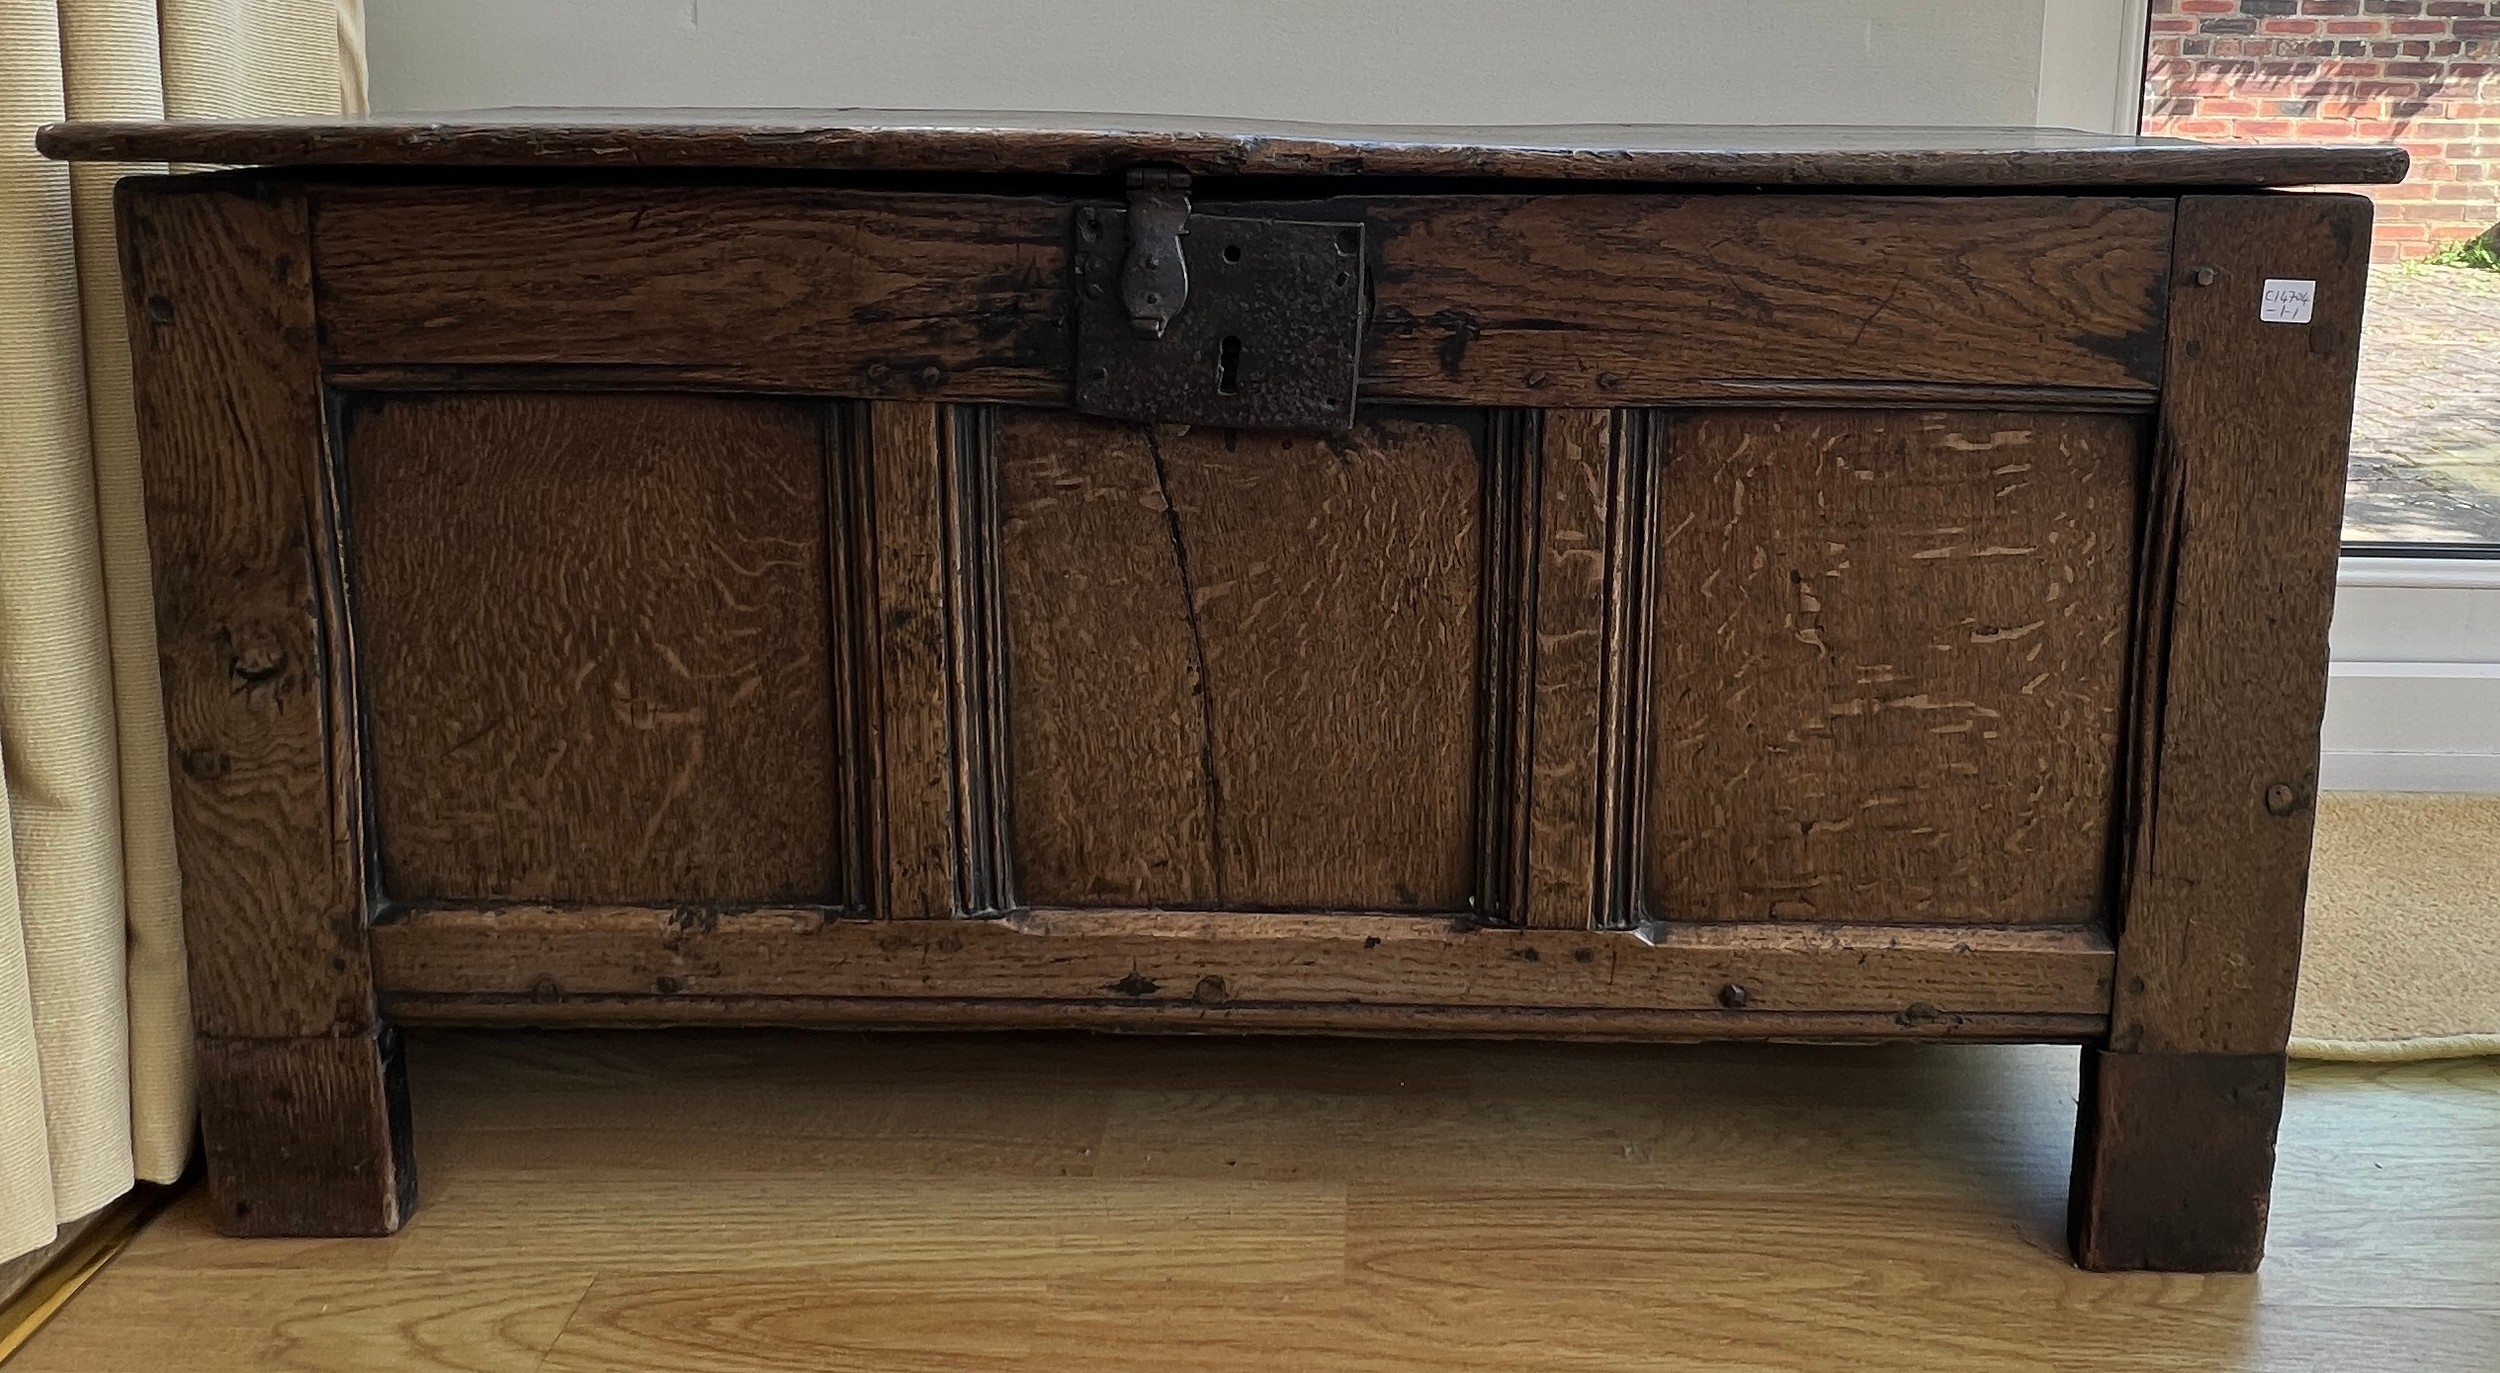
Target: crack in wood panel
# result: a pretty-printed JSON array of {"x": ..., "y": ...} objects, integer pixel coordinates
[
  {"x": 1198, "y": 688},
  {"x": 1329, "y": 596}
]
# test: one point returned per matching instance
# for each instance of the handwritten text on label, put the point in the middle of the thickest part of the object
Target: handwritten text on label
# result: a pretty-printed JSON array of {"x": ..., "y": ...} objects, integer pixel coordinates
[{"x": 2288, "y": 302}]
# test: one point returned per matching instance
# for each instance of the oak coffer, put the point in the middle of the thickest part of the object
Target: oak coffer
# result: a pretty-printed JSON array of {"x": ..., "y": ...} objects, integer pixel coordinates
[{"x": 1019, "y": 571}]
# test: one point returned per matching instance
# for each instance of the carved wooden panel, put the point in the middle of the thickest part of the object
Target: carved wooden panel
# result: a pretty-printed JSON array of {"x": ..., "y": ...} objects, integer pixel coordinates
[
  {"x": 599, "y": 635},
  {"x": 1889, "y": 665},
  {"x": 1248, "y": 671}
]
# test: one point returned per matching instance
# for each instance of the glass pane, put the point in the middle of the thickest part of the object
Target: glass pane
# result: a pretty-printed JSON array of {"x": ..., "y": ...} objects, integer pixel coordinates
[
  {"x": 2426, "y": 421},
  {"x": 2426, "y": 424}
]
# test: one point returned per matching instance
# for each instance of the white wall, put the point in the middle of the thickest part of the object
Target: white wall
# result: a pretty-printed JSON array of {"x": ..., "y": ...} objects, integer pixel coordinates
[
  {"x": 2092, "y": 64},
  {"x": 1963, "y": 62}
]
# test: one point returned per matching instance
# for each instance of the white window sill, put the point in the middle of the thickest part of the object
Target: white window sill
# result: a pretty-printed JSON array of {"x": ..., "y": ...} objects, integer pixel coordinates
[{"x": 2413, "y": 699}]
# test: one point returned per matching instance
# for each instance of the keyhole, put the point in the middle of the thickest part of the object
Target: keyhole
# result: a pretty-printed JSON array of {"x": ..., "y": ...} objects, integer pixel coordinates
[{"x": 1228, "y": 365}]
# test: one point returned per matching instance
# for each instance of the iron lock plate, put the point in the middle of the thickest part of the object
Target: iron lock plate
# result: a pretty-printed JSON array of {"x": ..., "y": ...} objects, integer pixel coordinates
[{"x": 1266, "y": 334}]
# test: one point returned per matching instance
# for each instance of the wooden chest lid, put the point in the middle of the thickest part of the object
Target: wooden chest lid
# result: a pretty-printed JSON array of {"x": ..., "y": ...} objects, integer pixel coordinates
[{"x": 1091, "y": 144}]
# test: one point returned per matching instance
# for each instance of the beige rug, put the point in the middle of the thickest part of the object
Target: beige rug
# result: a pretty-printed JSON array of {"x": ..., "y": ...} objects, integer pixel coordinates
[{"x": 2403, "y": 952}]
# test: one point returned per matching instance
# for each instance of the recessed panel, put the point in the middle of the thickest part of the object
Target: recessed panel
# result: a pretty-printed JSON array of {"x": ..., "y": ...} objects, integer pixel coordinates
[
  {"x": 595, "y": 646},
  {"x": 1242, "y": 669},
  {"x": 1889, "y": 665}
]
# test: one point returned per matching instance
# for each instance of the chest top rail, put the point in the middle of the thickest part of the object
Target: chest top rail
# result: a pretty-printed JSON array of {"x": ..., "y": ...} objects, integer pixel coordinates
[{"x": 981, "y": 142}]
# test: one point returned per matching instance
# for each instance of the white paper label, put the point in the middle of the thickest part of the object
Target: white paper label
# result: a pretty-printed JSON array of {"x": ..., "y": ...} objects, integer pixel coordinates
[{"x": 2288, "y": 302}]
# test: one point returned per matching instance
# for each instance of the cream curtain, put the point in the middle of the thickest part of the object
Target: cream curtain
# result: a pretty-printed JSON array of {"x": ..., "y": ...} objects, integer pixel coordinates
[{"x": 95, "y": 1044}]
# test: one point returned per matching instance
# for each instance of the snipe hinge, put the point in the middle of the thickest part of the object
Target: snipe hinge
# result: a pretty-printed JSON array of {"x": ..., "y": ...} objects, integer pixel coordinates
[{"x": 1154, "y": 281}]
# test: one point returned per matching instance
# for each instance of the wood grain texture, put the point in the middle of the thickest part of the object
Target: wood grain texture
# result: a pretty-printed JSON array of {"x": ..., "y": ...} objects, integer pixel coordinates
[
  {"x": 1241, "y": 668},
  {"x": 1601, "y": 1024},
  {"x": 1623, "y": 732},
  {"x": 847, "y": 292},
  {"x": 728, "y": 1203},
  {"x": 2174, "y": 1151},
  {"x": 307, "y": 1136},
  {"x": 1565, "y": 300},
  {"x": 2240, "y": 578},
  {"x": 908, "y": 530},
  {"x": 1555, "y": 300},
  {"x": 1575, "y": 517},
  {"x": 268, "y": 789},
  {"x": 1509, "y": 535},
  {"x": 961, "y": 1228},
  {"x": 599, "y": 647},
  {"x": 1095, "y": 144},
  {"x": 1907, "y": 980},
  {"x": 319, "y": 1319},
  {"x": 2174, "y": 1161},
  {"x": 978, "y": 687},
  {"x": 1889, "y": 665}
]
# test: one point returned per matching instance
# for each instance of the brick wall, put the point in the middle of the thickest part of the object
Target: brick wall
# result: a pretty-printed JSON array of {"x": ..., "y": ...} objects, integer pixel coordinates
[{"x": 2424, "y": 73}]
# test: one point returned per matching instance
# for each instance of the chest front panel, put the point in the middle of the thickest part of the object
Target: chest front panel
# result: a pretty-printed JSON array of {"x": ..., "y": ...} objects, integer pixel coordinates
[
  {"x": 1890, "y": 664},
  {"x": 1834, "y": 621},
  {"x": 1244, "y": 670}
]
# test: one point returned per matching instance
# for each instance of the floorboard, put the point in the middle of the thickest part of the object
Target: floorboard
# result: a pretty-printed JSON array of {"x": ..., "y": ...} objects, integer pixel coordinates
[{"x": 734, "y": 1203}]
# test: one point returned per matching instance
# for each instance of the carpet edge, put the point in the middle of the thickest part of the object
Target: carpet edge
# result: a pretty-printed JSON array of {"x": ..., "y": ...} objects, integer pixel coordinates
[{"x": 2394, "y": 1050}]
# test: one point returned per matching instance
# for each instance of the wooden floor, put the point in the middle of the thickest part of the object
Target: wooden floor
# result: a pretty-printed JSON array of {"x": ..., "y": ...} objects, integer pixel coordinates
[{"x": 792, "y": 1202}]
